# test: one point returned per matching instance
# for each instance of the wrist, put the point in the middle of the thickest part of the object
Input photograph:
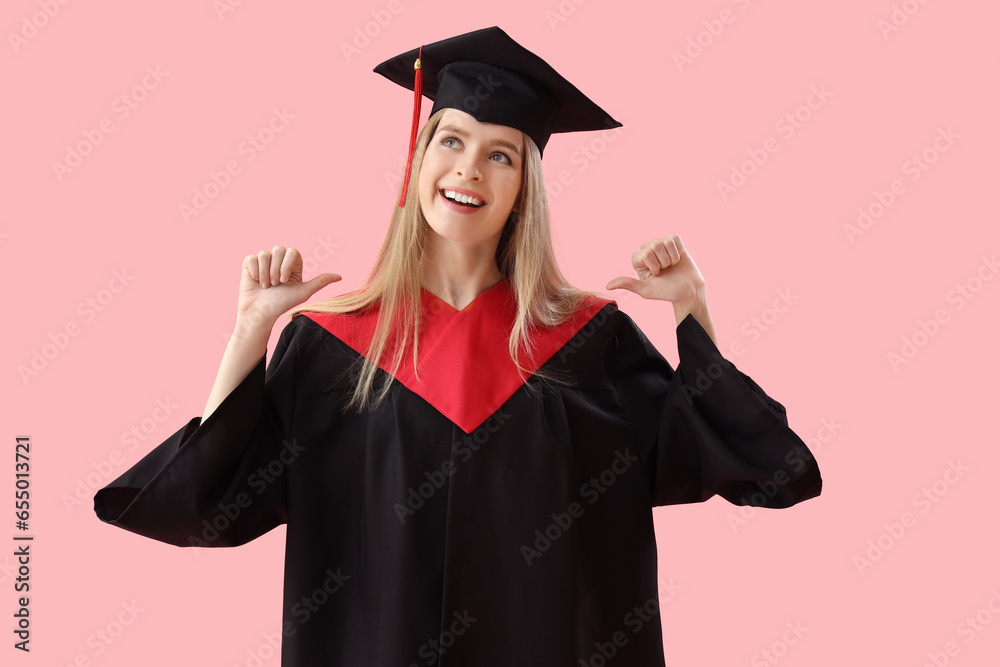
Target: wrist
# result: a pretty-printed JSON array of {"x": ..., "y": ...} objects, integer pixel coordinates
[
  {"x": 252, "y": 327},
  {"x": 694, "y": 301}
]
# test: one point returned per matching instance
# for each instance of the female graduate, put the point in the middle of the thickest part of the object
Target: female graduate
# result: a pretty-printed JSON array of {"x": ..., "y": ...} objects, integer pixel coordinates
[{"x": 466, "y": 450}]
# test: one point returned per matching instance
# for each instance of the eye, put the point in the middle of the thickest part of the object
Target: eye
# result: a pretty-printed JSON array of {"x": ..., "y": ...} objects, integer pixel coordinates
[{"x": 506, "y": 157}]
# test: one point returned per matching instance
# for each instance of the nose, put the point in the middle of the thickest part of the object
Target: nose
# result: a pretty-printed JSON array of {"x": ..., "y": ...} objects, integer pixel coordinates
[{"x": 467, "y": 167}]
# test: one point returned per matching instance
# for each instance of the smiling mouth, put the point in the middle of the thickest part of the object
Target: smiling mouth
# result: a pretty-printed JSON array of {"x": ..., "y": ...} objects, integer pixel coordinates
[{"x": 461, "y": 203}]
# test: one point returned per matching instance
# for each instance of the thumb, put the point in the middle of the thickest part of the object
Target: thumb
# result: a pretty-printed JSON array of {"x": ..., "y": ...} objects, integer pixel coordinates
[
  {"x": 624, "y": 282},
  {"x": 318, "y": 283}
]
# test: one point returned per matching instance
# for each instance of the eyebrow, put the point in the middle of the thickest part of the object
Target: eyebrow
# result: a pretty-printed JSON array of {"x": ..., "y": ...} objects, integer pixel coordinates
[{"x": 495, "y": 142}]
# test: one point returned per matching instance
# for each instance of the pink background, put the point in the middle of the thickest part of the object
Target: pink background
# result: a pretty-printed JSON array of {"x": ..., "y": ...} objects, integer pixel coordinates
[{"x": 326, "y": 184}]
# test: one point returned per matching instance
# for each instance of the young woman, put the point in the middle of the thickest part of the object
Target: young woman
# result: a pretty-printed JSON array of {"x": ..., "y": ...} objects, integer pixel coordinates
[{"x": 466, "y": 450}]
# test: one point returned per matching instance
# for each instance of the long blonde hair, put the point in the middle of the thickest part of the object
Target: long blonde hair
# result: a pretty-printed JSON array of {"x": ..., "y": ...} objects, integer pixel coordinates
[{"x": 524, "y": 256}]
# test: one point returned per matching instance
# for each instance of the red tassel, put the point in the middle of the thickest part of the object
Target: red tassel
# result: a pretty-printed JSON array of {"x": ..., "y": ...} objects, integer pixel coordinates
[{"x": 418, "y": 88}]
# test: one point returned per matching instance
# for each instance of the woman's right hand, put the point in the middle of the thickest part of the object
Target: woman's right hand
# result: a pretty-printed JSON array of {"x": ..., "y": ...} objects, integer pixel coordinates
[{"x": 271, "y": 284}]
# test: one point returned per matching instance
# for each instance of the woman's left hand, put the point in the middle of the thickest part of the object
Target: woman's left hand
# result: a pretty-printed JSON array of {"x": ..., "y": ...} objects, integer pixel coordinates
[{"x": 666, "y": 271}]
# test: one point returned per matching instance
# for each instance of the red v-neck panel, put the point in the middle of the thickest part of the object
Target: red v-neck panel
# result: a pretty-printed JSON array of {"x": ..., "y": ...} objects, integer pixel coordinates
[
  {"x": 501, "y": 285},
  {"x": 465, "y": 369},
  {"x": 439, "y": 316},
  {"x": 470, "y": 374}
]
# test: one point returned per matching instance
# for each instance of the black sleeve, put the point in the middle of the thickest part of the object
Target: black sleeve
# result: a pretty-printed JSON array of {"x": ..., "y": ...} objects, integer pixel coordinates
[
  {"x": 219, "y": 483},
  {"x": 706, "y": 428}
]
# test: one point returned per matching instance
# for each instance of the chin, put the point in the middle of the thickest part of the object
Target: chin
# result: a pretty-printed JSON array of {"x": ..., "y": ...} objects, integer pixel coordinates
[
  {"x": 459, "y": 231},
  {"x": 455, "y": 234}
]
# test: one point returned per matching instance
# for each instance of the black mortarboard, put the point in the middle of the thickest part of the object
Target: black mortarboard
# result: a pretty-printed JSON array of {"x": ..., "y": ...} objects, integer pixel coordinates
[{"x": 490, "y": 76}]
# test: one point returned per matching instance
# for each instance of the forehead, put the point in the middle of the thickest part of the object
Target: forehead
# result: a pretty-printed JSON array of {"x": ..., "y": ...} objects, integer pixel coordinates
[{"x": 467, "y": 122}]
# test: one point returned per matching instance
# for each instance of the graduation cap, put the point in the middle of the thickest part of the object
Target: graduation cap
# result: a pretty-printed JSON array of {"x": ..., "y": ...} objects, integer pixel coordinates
[{"x": 496, "y": 80}]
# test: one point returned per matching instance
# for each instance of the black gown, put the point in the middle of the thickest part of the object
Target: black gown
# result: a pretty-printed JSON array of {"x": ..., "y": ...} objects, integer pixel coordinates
[{"x": 469, "y": 520}]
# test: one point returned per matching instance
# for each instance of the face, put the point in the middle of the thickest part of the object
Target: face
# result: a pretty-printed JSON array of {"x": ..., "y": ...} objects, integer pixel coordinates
[{"x": 479, "y": 160}]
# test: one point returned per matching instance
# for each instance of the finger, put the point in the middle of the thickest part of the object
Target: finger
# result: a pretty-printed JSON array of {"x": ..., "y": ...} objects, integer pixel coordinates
[
  {"x": 659, "y": 249},
  {"x": 624, "y": 282},
  {"x": 277, "y": 255},
  {"x": 264, "y": 260},
  {"x": 319, "y": 282},
  {"x": 678, "y": 243},
  {"x": 670, "y": 246},
  {"x": 651, "y": 261},
  {"x": 250, "y": 263},
  {"x": 637, "y": 260},
  {"x": 292, "y": 259},
  {"x": 644, "y": 263}
]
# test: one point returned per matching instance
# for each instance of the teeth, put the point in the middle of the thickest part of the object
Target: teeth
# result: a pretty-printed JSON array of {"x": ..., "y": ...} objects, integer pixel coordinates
[{"x": 465, "y": 199}]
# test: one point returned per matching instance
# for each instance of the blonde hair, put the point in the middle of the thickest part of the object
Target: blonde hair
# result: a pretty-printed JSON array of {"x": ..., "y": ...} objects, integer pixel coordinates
[{"x": 524, "y": 256}]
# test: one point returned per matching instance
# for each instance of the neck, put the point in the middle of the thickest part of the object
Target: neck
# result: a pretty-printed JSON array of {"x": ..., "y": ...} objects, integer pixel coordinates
[{"x": 457, "y": 274}]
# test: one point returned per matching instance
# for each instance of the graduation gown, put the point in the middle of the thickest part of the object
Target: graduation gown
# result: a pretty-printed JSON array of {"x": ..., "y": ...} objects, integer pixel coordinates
[{"x": 471, "y": 519}]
